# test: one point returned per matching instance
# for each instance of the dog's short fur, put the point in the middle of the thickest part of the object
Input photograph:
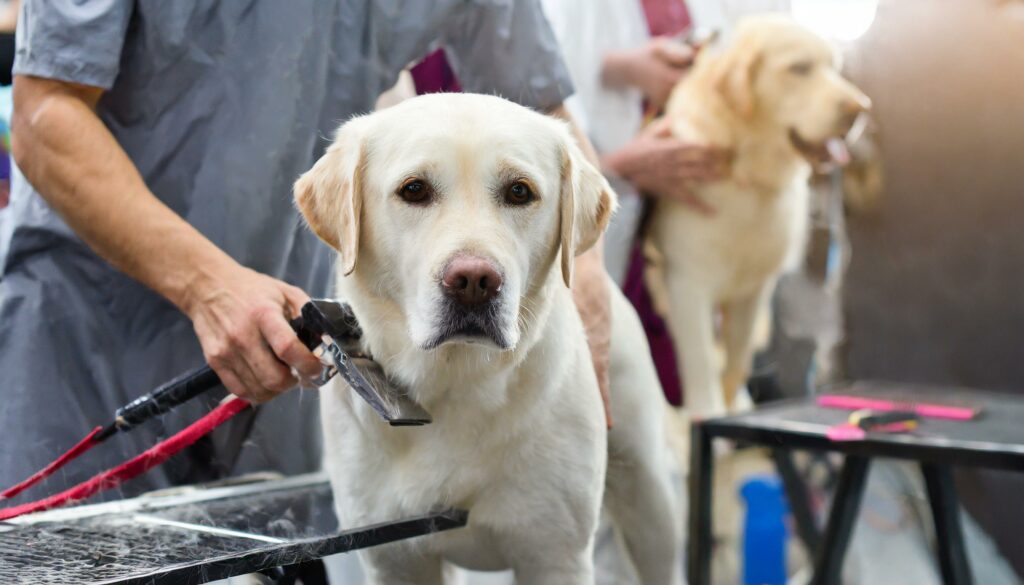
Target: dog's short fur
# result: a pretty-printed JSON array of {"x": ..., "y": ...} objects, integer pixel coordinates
[
  {"x": 518, "y": 436},
  {"x": 774, "y": 97}
]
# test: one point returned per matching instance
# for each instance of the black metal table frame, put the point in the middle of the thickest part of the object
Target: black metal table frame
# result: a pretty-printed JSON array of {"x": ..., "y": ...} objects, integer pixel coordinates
[
  {"x": 302, "y": 559},
  {"x": 285, "y": 556},
  {"x": 829, "y": 548}
]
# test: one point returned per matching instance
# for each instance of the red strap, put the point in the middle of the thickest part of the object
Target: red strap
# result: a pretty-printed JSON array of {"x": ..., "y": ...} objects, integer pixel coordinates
[
  {"x": 135, "y": 466},
  {"x": 84, "y": 445}
]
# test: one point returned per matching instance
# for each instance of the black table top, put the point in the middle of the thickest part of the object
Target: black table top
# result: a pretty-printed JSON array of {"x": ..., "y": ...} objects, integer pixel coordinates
[
  {"x": 995, "y": 438},
  {"x": 193, "y": 536}
]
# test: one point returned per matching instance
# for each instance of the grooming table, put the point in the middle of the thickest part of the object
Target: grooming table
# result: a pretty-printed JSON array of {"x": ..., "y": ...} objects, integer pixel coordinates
[
  {"x": 995, "y": 440},
  {"x": 195, "y": 535}
]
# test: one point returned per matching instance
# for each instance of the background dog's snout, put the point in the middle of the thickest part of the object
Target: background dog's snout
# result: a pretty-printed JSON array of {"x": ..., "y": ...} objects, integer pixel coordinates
[
  {"x": 852, "y": 107},
  {"x": 471, "y": 280}
]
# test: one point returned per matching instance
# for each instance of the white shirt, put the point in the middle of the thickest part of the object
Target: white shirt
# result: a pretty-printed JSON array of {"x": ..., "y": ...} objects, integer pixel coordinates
[{"x": 587, "y": 30}]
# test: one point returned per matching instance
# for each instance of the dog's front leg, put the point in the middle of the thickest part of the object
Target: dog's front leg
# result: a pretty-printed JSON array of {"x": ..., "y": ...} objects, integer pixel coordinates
[
  {"x": 578, "y": 569},
  {"x": 395, "y": 564},
  {"x": 740, "y": 319},
  {"x": 691, "y": 322}
]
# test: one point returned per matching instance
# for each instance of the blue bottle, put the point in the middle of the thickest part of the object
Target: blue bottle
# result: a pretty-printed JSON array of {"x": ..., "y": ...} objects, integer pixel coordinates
[{"x": 764, "y": 531}]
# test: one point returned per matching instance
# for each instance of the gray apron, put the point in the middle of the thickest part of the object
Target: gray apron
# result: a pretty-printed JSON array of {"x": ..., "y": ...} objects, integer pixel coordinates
[{"x": 220, "y": 105}]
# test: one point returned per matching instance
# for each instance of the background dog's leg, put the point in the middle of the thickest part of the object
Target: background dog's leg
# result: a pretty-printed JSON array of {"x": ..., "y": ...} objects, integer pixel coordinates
[
  {"x": 738, "y": 324},
  {"x": 691, "y": 322}
]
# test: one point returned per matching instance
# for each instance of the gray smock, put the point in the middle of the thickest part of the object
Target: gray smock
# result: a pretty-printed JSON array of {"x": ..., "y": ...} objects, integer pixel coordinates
[{"x": 221, "y": 105}]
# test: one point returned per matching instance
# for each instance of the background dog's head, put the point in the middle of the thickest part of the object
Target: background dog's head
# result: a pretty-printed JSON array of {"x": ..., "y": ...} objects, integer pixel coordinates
[
  {"x": 780, "y": 76},
  {"x": 453, "y": 207}
]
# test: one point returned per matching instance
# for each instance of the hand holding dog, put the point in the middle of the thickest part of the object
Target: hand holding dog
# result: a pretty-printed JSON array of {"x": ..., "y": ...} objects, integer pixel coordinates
[
  {"x": 654, "y": 68},
  {"x": 661, "y": 165}
]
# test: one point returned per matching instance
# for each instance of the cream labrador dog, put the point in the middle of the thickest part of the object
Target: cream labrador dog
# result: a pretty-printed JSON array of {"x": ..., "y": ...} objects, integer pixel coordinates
[
  {"x": 774, "y": 97},
  {"x": 456, "y": 219}
]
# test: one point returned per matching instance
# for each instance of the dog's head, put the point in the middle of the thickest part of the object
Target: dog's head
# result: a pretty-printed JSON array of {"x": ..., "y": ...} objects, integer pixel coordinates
[
  {"x": 457, "y": 209},
  {"x": 777, "y": 73}
]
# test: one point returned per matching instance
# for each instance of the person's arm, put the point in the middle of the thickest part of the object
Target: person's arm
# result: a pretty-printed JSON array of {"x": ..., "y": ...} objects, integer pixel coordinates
[
  {"x": 590, "y": 286},
  {"x": 70, "y": 157},
  {"x": 654, "y": 68}
]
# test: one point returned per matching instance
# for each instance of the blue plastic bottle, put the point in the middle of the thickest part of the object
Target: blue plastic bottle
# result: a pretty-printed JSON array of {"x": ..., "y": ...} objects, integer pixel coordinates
[{"x": 764, "y": 531}]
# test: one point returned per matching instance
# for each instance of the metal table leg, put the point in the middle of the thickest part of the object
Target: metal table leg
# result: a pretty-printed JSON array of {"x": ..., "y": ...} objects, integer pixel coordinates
[
  {"x": 308, "y": 573},
  {"x": 700, "y": 541},
  {"x": 799, "y": 500},
  {"x": 828, "y": 561},
  {"x": 949, "y": 534}
]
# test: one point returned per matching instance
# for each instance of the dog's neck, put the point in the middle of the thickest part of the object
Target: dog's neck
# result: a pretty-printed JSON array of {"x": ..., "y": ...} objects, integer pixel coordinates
[
  {"x": 765, "y": 159},
  {"x": 480, "y": 374}
]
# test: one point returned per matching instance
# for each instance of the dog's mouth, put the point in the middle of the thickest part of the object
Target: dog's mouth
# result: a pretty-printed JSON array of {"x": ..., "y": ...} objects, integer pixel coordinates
[
  {"x": 476, "y": 325},
  {"x": 822, "y": 155},
  {"x": 833, "y": 151}
]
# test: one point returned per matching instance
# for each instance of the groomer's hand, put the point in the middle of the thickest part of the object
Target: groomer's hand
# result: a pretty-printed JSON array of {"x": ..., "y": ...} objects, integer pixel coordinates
[
  {"x": 590, "y": 287},
  {"x": 654, "y": 68},
  {"x": 241, "y": 318},
  {"x": 661, "y": 165}
]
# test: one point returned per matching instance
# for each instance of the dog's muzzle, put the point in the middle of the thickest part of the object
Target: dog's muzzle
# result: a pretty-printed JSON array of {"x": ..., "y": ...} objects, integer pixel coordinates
[{"x": 470, "y": 309}]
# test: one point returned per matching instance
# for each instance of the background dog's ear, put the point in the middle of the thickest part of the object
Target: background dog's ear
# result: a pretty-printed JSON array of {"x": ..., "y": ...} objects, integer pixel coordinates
[
  {"x": 330, "y": 194},
  {"x": 735, "y": 71},
  {"x": 587, "y": 204}
]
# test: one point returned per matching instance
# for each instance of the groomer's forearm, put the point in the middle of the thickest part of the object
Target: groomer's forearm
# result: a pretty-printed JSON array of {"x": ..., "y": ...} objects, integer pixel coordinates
[
  {"x": 577, "y": 133},
  {"x": 74, "y": 162},
  {"x": 592, "y": 259},
  {"x": 590, "y": 289},
  {"x": 615, "y": 70}
]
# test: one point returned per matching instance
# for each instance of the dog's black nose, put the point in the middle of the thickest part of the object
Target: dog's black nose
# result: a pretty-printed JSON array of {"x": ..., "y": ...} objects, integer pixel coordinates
[{"x": 471, "y": 280}]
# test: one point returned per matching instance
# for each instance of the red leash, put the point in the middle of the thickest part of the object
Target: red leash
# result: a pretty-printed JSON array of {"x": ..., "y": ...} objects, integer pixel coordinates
[
  {"x": 135, "y": 466},
  {"x": 84, "y": 445}
]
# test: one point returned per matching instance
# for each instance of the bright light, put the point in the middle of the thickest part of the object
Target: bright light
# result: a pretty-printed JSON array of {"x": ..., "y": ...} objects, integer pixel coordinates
[{"x": 844, "y": 20}]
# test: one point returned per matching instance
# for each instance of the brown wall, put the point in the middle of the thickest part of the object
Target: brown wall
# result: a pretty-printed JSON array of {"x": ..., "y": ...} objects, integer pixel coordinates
[{"x": 935, "y": 291}]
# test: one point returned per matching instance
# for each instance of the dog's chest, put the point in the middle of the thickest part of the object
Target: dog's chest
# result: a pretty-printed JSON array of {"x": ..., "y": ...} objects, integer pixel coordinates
[
  {"x": 748, "y": 240},
  {"x": 448, "y": 462},
  {"x": 480, "y": 453}
]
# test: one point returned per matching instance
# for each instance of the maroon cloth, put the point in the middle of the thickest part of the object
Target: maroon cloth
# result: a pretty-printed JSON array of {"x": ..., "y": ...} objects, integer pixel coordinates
[
  {"x": 662, "y": 349},
  {"x": 434, "y": 75},
  {"x": 667, "y": 17}
]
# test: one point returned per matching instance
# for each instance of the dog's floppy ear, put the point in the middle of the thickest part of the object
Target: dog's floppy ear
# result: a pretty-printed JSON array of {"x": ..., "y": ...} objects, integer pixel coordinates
[
  {"x": 735, "y": 71},
  {"x": 587, "y": 204},
  {"x": 330, "y": 194}
]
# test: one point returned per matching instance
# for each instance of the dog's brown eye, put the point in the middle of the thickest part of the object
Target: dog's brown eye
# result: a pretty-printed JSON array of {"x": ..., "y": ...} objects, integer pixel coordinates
[
  {"x": 415, "y": 191},
  {"x": 801, "y": 68},
  {"x": 518, "y": 193}
]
